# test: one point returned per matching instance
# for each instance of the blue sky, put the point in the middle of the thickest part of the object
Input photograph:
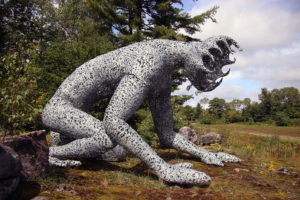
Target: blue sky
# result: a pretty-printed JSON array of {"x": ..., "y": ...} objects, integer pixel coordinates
[{"x": 269, "y": 33}]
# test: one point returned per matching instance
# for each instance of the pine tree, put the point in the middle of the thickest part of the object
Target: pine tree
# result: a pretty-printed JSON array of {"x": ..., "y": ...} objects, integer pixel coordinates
[{"x": 135, "y": 20}]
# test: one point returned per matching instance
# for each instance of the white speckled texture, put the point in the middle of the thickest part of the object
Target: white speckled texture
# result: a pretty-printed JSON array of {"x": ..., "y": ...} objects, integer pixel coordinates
[{"x": 130, "y": 75}]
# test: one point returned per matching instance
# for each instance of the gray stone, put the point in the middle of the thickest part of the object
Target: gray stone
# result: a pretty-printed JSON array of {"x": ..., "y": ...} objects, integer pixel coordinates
[
  {"x": 10, "y": 167},
  {"x": 130, "y": 75},
  {"x": 40, "y": 198},
  {"x": 210, "y": 138},
  {"x": 8, "y": 186},
  {"x": 189, "y": 133},
  {"x": 33, "y": 152}
]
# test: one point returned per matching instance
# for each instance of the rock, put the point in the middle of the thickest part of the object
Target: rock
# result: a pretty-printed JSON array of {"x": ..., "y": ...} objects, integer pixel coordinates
[
  {"x": 8, "y": 187},
  {"x": 33, "y": 152},
  {"x": 116, "y": 154},
  {"x": 189, "y": 133},
  {"x": 40, "y": 198},
  {"x": 237, "y": 170},
  {"x": 10, "y": 167},
  {"x": 283, "y": 171},
  {"x": 210, "y": 138},
  {"x": 227, "y": 150},
  {"x": 63, "y": 188}
]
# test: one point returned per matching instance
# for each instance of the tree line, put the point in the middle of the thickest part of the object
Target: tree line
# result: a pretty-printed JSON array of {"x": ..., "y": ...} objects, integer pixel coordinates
[{"x": 278, "y": 106}]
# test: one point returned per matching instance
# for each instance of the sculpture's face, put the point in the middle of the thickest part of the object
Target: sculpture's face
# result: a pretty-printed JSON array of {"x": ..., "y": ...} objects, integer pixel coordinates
[{"x": 204, "y": 62}]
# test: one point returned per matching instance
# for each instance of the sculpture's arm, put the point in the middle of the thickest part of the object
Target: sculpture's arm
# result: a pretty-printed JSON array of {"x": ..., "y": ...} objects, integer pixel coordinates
[
  {"x": 127, "y": 98},
  {"x": 161, "y": 109}
]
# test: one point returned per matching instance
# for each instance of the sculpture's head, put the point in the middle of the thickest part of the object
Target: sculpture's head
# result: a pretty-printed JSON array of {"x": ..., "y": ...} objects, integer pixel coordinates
[{"x": 205, "y": 60}]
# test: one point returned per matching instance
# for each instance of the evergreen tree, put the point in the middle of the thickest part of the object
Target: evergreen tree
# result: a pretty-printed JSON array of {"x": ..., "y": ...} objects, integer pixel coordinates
[{"x": 135, "y": 20}]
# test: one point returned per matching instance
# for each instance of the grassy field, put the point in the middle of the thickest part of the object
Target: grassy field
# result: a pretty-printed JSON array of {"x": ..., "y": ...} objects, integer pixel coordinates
[{"x": 257, "y": 177}]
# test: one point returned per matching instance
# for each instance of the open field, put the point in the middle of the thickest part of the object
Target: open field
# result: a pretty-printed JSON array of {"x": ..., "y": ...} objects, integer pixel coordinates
[
  {"x": 256, "y": 177},
  {"x": 285, "y": 133}
]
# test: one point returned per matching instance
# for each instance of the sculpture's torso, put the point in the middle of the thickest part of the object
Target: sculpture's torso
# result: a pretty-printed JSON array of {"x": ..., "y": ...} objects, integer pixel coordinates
[{"x": 151, "y": 61}]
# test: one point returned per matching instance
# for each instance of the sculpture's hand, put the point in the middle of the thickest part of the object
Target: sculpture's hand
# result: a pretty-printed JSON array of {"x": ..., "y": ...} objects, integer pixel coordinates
[
  {"x": 216, "y": 158},
  {"x": 225, "y": 157}
]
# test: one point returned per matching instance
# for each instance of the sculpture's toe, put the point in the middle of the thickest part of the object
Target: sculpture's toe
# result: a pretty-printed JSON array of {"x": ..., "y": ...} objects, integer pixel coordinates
[
  {"x": 225, "y": 157},
  {"x": 63, "y": 163},
  {"x": 184, "y": 165}
]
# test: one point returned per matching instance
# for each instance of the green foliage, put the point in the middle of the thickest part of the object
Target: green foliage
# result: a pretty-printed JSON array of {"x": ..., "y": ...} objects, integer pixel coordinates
[
  {"x": 217, "y": 107},
  {"x": 146, "y": 128},
  {"x": 282, "y": 119},
  {"x": 147, "y": 19},
  {"x": 207, "y": 118},
  {"x": 21, "y": 103}
]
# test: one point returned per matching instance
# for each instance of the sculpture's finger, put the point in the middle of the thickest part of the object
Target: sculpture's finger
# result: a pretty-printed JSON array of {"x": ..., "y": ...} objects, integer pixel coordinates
[
  {"x": 184, "y": 165},
  {"x": 225, "y": 157}
]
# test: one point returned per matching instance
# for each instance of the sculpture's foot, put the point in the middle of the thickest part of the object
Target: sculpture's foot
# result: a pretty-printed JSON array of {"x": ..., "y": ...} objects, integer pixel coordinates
[
  {"x": 63, "y": 163},
  {"x": 183, "y": 176}
]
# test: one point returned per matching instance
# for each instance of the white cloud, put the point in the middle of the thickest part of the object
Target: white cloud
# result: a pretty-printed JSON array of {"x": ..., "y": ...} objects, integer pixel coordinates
[{"x": 269, "y": 33}]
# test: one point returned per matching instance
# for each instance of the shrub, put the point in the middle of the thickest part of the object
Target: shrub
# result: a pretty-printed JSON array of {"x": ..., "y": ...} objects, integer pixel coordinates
[
  {"x": 21, "y": 104},
  {"x": 282, "y": 119}
]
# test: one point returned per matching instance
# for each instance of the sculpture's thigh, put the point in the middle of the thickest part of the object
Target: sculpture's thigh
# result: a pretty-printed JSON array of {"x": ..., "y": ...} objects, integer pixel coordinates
[{"x": 62, "y": 117}]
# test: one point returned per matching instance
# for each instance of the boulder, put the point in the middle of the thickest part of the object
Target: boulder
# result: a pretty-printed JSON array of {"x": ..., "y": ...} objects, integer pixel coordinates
[
  {"x": 33, "y": 152},
  {"x": 189, "y": 133},
  {"x": 10, "y": 167},
  {"x": 210, "y": 138},
  {"x": 8, "y": 187}
]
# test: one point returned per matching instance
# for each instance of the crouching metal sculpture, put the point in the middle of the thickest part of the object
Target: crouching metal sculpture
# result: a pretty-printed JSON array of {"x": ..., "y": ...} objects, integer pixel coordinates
[{"x": 130, "y": 75}]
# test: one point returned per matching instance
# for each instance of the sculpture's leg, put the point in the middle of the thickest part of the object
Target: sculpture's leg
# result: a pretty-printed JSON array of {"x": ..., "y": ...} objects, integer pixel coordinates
[
  {"x": 161, "y": 109},
  {"x": 180, "y": 143},
  {"x": 117, "y": 153},
  {"x": 74, "y": 123},
  {"x": 128, "y": 96}
]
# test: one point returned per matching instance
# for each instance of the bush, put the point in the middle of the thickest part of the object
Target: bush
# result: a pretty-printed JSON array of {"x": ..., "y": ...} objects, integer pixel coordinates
[
  {"x": 207, "y": 118},
  {"x": 295, "y": 122},
  {"x": 21, "y": 104},
  {"x": 147, "y": 131},
  {"x": 282, "y": 119}
]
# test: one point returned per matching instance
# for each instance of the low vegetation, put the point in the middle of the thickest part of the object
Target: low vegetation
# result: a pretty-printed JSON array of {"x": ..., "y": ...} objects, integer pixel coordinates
[{"x": 257, "y": 177}]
